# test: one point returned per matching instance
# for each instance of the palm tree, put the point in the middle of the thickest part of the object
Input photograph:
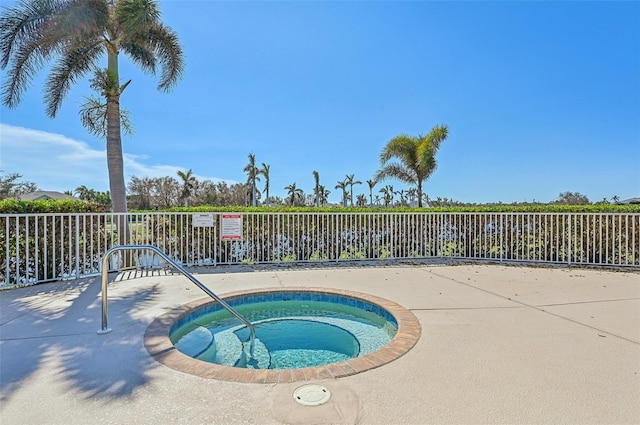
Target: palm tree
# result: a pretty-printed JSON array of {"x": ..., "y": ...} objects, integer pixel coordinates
[
  {"x": 294, "y": 193},
  {"x": 76, "y": 34},
  {"x": 387, "y": 193},
  {"x": 403, "y": 197},
  {"x": 323, "y": 195},
  {"x": 371, "y": 184},
  {"x": 252, "y": 176},
  {"x": 316, "y": 188},
  {"x": 189, "y": 183},
  {"x": 265, "y": 172},
  {"x": 412, "y": 193},
  {"x": 343, "y": 185},
  {"x": 415, "y": 155},
  {"x": 83, "y": 192},
  {"x": 349, "y": 180}
]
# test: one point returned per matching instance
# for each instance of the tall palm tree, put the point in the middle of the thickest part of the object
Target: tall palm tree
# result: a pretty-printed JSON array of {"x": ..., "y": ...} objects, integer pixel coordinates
[
  {"x": 294, "y": 193},
  {"x": 252, "y": 176},
  {"x": 189, "y": 183},
  {"x": 76, "y": 34},
  {"x": 265, "y": 172},
  {"x": 316, "y": 188},
  {"x": 349, "y": 180},
  {"x": 343, "y": 185},
  {"x": 415, "y": 157},
  {"x": 371, "y": 184}
]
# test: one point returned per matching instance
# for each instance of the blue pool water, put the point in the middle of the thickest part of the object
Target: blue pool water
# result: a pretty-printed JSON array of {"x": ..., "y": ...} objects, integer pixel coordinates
[{"x": 293, "y": 330}]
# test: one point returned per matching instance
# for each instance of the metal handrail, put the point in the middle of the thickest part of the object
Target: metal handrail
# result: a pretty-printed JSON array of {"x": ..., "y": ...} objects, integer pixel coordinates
[{"x": 105, "y": 269}]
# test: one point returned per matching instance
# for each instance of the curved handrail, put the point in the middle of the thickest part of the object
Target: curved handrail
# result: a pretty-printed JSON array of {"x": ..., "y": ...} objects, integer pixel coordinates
[{"x": 105, "y": 270}]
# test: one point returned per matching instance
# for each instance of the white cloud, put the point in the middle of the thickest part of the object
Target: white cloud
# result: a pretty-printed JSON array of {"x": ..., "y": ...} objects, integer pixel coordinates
[{"x": 56, "y": 162}]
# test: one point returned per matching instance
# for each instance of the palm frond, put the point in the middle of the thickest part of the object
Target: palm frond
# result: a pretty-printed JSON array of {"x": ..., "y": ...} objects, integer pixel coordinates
[
  {"x": 72, "y": 66},
  {"x": 437, "y": 135},
  {"x": 427, "y": 149},
  {"x": 27, "y": 60},
  {"x": 80, "y": 19},
  {"x": 93, "y": 115},
  {"x": 169, "y": 52},
  {"x": 402, "y": 147},
  {"x": 140, "y": 55},
  {"x": 25, "y": 44},
  {"x": 33, "y": 32},
  {"x": 397, "y": 171},
  {"x": 20, "y": 25},
  {"x": 136, "y": 15}
]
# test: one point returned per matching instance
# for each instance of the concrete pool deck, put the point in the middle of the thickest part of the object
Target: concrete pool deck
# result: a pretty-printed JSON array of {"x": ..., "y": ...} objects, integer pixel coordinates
[{"x": 499, "y": 344}]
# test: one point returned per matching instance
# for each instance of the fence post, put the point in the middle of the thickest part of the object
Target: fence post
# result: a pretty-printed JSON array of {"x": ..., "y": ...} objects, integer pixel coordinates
[{"x": 77, "y": 246}]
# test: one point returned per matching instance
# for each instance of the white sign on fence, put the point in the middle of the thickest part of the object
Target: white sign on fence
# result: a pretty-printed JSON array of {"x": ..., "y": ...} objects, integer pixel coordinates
[
  {"x": 231, "y": 227},
  {"x": 202, "y": 220}
]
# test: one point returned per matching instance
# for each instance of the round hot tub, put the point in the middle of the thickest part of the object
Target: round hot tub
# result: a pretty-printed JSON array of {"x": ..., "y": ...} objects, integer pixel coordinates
[{"x": 300, "y": 334}]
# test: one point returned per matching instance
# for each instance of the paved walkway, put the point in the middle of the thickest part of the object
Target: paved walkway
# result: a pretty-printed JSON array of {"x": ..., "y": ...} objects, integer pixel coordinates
[{"x": 499, "y": 344}]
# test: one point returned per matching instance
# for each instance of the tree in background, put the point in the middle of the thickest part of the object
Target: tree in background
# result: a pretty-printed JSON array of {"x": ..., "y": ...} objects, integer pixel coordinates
[
  {"x": 343, "y": 185},
  {"x": 189, "y": 184},
  {"x": 252, "y": 176},
  {"x": 167, "y": 192},
  {"x": 264, "y": 170},
  {"x": 416, "y": 158},
  {"x": 11, "y": 186},
  {"x": 412, "y": 195},
  {"x": 140, "y": 193},
  {"x": 572, "y": 198},
  {"x": 403, "y": 197},
  {"x": 349, "y": 179},
  {"x": 371, "y": 184},
  {"x": 387, "y": 195},
  {"x": 148, "y": 193},
  {"x": 444, "y": 202},
  {"x": 91, "y": 195},
  {"x": 295, "y": 195},
  {"x": 323, "y": 195},
  {"x": 316, "y": 188},
  {"x": 76, "y": 34}
]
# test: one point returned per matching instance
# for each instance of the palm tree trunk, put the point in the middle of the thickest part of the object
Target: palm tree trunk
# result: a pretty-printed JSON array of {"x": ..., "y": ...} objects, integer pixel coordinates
[
  {"x": 253, "y": 192},
  {"x": 115, "y": 163},
  {"x": 419, "y": 194}
]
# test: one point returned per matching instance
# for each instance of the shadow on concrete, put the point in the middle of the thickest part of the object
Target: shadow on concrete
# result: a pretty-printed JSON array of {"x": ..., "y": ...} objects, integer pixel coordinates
[{"x": 57, "y": 323}]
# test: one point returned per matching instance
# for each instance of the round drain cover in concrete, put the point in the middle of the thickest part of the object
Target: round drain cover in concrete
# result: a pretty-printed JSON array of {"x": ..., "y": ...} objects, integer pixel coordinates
[{"x": 311, "y": 395}]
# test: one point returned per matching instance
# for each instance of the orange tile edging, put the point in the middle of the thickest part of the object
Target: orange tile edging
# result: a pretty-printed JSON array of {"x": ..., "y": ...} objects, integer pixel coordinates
[{"x": 158, "y": 344}]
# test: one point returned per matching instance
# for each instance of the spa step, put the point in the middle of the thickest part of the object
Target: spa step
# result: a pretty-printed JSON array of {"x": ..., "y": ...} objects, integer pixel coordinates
[
  {"x": 195, "y": 342},
  {"x": 261, "y": 358},
  {"x": 228, "y": 350}
]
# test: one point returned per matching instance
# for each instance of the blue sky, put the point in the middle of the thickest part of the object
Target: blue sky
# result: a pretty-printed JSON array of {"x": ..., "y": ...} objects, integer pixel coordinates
[{"x": 539, "y": 97}]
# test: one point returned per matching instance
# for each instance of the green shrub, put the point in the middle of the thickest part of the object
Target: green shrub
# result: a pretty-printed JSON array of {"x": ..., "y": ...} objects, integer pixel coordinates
[{"x": 16, "y": 206}]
